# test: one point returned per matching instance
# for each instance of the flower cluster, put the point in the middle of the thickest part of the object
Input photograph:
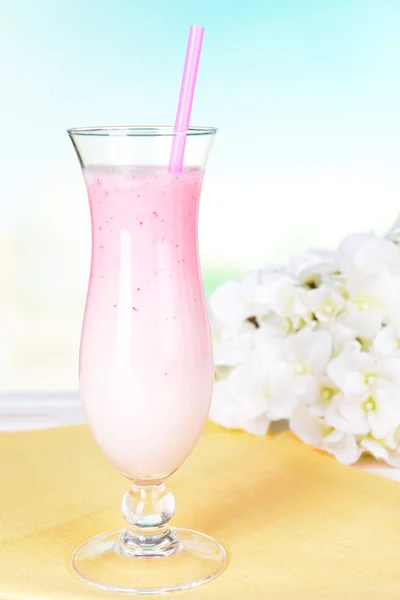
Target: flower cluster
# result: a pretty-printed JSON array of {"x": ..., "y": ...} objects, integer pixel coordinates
[{"x": 316, "y": 343}]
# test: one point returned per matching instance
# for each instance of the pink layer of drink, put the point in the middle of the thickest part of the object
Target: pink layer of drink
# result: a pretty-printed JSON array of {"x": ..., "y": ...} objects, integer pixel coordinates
[{"x": 146, "y": 367}]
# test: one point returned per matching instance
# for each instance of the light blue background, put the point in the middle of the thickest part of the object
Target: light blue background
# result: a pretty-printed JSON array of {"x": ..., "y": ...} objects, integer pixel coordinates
[
  {"x": 307, "y": 98},
  {"x": 288, "y": 82}
]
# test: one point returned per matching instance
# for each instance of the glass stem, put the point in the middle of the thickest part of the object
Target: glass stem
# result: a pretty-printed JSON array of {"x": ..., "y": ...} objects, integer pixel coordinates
[{"x": 148, "y": 508}]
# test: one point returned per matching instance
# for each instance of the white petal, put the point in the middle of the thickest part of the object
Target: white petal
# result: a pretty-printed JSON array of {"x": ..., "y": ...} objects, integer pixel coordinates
[
  {"x": 249, "y": 383},
  {"x": 333, "y": 437},
  {"x": 379, "y": 423},
  {"x": 356, "y": 424},
  {"x": 320, "y": 351},
  {"x": 306, "y": 388},
  {"x": 316, "y": 410},
  {"x": 356, "y": 384},
  {"x": 389, "y": 369},
  {"x": 393, "y": 458},
  {"x": 325, "y": 392},
  {"x": 314, "y": 261},
  {"x": 375, "y": 448},
  {"x": 249, "y": 284},
  {"x": 273, "y": 325},
  {"x": 271, "y": 284},
  {"x": 345, "y": 451},
  {"x": 310, "y": 430},
  {"x": 254, "y": 373},
  {"x": 377, "y": 254},
  {"x": 363, "y": 324},
  {"x": 283, "y": 295},
  {"x": 235, "y": 349},
  {"x": 376, "y": 293},
  {"x": 257, "y": 426},
  {"x": 244, "y": 382},
  {"x": 367, "y": 253},
  {"x": 251, "y": 394},
  {"x": 287, "y": 390},
  {"x": 310, "y": 348},
  {"x": 268, "y": 351},
  {"x": 386, "y": 416},
  {"x": 228, "y": 412},
  {"x": 343, "y": 338},
  {"x": 387, "y": 397},
  {"x": 352, "y": 242},
  {"x": 386, "y": 342},
  {"x": 350, "y": 408},
  {"x": 305, "y": 426},
  {"x": 227, "y": 304},
  {"x": 390, "y": 440},
  {"x": 325, "y": 302},
  {"x": 344, "y": 371},
  {"x": 224, "y": 408}
]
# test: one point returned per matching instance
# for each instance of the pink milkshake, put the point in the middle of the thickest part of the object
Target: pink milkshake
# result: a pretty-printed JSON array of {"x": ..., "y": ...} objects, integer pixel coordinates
[{"x": 146, "y": 367}]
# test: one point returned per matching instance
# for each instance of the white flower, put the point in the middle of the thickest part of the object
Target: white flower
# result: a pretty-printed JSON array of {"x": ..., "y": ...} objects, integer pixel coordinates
[
  {"x": 370, "y": 394},
  {"x": 308, "y": 351},
  {"x": 387, "y": 342},
  {"x": 368, "y": 254},
  {"x": 283, "y": 295},
  {"x": 314, "y": 431},
  {"x": 343, "y": 339},
  {"x": 247, "y": 389},
  {"x": 357, "y": 373},
  {"x": 372, "y": 301},
  {"x": 228, "y": 411},
  {"x": 317, "y": 343},
  {"x": 294, "y": 380},
  {"x": 312, "y": 266},
  {"x": 231, "y": 346},
  {"x": 374, "y": 447},
  {"x": 274, "y": 325},
  {"x": 235, "y": 301},
  {"x": 325, "y": 302},
  {"x": 326, "y": 391},
  {"x": 349, "y": 414},
  {"x": 392, "y": 444},
  {"x": 387, "y": 449},
  {"x": 363, "y": 325}
]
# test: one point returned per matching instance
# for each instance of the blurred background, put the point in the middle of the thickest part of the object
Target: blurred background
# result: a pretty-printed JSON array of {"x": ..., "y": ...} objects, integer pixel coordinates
[{"x": 306, "y": 95}]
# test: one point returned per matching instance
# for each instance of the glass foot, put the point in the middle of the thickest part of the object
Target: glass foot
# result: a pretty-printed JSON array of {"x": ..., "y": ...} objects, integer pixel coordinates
[{"x": 197, "y": 559}]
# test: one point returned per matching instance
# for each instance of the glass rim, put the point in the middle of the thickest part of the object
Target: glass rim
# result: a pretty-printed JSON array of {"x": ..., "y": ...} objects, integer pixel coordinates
[{"x": 138, "y": 131}]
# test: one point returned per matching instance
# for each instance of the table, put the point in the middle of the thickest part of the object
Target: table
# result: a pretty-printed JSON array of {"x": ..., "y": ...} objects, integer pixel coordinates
[{"x": 21, "y": 412}]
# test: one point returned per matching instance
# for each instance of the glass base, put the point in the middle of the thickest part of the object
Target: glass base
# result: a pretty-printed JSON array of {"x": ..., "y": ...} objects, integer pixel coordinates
[{"x": 197, "y": 560}]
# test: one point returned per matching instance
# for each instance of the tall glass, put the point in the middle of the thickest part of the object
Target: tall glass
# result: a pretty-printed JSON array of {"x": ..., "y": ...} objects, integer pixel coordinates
[{"x": 146, "y": 365}]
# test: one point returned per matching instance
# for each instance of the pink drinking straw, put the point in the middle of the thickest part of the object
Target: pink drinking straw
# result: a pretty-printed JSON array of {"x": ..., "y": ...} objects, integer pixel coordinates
[{"x": 186, "y": 98}]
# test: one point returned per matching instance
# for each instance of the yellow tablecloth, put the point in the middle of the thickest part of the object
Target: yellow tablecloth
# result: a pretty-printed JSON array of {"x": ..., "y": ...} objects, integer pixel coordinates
[{"x": 295, "y": 523}]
